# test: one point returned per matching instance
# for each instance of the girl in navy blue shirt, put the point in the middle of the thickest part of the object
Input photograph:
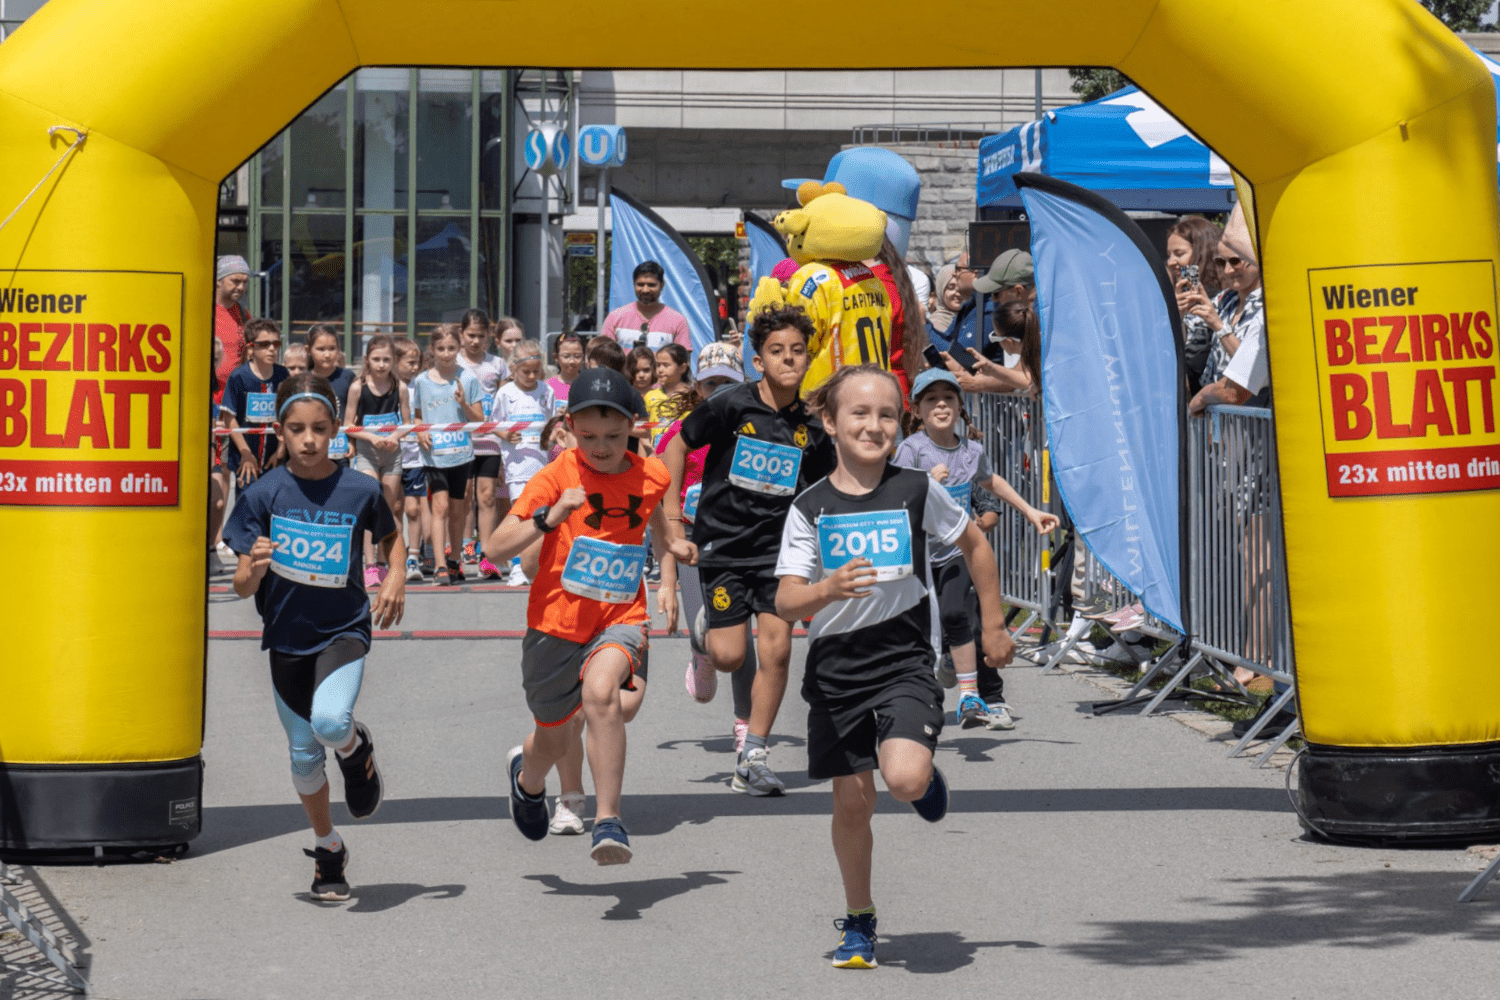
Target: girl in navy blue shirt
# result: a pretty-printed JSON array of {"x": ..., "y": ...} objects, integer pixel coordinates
[{"x": 298, "y": 531}]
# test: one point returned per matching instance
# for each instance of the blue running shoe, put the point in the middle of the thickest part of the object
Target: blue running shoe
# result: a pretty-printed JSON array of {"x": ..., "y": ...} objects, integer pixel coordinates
[
  {"x": 528, "y": 811},
  {"x": 971, "y": 711},
  {"x": 857, "y": 948},
  {"x": 611, "y": 842},
  {"x": 933, "y": 805}
]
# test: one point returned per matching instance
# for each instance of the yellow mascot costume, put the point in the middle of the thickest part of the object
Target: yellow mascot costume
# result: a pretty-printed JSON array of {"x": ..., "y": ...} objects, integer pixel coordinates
[{"x": 829, "y": 235}]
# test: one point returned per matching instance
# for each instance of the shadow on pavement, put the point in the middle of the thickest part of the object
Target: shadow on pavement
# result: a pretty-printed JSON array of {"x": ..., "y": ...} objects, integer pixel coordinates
[
  {"x": 977, "y": 748},
  {"x": 932, "y": 951},
  {"x": 385, "y": 896},
  {"x": 227, "y": 827},
  {"x": 632, "y": 897},
  {"x": 1366, "y": 910}
]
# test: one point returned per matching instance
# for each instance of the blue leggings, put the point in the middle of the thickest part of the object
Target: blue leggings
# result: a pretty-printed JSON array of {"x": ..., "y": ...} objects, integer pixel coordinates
[{"x": 315, "y": 697}]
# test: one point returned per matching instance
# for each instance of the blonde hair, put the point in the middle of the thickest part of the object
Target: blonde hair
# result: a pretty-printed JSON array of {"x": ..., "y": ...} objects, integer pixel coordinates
[{"x": 825, "y": 399}]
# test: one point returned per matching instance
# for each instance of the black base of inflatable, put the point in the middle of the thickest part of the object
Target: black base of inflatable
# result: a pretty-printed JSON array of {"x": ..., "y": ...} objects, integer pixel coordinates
[
  {"x": 1388, "y": 795},
  {"x": 56, "y": 807}
]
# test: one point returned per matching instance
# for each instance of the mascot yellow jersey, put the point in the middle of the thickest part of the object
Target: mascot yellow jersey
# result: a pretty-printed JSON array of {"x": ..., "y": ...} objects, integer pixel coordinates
[{"x": 849, "y": 307}]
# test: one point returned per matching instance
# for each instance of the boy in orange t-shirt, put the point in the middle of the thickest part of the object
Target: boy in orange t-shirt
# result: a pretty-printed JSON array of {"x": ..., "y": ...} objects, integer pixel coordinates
[{"x": 586, "y": 616}]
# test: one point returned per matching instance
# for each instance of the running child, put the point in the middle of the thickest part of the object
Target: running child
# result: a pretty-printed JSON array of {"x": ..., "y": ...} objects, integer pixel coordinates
[
  {"x": 446, "y": 394},
  {"x": 376, "y": 405},
  {"x": 764, "y": 446},
  {"x": 296, "y": 530},
  {"x": 250, "y": 401},
  {"x": 413, "y": 479},
  {"x": 586, "y": 616},
  {"x": 854, "y": 559},
  {"x": 524, "y": 398},
  {"x": 960, "y": 465},
  {"x": 489, "y": 487},
  {"x": 718, "y": 366}
]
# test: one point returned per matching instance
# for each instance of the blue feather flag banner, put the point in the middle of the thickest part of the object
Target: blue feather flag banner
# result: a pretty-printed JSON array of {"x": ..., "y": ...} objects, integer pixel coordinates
[{"x": 1112, "y": 388}]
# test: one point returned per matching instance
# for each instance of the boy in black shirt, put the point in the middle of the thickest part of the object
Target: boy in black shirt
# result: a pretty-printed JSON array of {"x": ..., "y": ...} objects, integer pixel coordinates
[
  {"x": 764, "y": 446},
  {"x": 250, "y": 401}
]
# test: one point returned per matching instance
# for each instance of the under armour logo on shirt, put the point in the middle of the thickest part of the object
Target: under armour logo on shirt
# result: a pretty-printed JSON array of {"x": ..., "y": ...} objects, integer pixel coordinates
[{"x": 596, "y": 519}]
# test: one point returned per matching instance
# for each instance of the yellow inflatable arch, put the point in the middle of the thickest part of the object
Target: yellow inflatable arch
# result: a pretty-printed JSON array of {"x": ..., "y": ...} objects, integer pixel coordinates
[{"x": 1366, "y": 128}]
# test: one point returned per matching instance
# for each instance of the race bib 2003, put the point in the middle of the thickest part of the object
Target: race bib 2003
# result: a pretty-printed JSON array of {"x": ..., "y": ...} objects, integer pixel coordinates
[{"x": 765, "y": 467}]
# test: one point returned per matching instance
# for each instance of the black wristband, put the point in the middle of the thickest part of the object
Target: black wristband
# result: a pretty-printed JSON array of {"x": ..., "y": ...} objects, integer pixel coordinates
[{"x": 539, "y": 518}]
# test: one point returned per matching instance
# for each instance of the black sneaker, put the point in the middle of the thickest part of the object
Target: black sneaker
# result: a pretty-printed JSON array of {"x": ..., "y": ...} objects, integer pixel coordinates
[
  {"x": 362, "y": 788},
  {"x": 933, "y": 805},
  {"x": 427, "y": 567},
  {"x": 528, "y": 811},
  {"x": 328, "y": 877},
  {"x": 456, "y": 570}
]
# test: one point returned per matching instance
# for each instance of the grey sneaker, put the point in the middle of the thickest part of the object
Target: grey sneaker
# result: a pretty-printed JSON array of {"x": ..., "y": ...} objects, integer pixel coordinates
[
  {"x": 754, "y": 776},
  {"x": 945, "y": 673},
  {"x": 999, "y": 717}
]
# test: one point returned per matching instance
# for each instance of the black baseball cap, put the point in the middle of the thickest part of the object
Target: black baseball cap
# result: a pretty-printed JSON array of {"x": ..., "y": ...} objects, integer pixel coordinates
[{"x": 602, "y": 387}]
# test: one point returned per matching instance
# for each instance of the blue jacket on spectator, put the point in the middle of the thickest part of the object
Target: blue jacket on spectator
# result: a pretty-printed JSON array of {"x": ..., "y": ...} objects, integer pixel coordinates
[{"x": 970, "y": 328}]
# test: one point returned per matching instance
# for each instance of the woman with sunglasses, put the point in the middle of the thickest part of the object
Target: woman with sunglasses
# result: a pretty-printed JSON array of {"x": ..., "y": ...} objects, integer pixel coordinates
[{"x": 1238, "y": 312}]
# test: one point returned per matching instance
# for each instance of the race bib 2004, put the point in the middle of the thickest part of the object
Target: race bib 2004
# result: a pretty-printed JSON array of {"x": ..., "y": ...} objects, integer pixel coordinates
[{"x": 604, "y": 571}]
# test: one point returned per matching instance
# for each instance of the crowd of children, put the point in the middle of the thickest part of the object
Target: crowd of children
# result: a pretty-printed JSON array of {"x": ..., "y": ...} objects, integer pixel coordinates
[{"x": 849, "y": 511}]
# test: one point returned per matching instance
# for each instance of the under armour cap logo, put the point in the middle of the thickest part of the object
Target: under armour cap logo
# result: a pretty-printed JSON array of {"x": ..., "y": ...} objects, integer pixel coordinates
[
  {"x": 601, "y": 385},
  {"x": 596, "y": 519}
]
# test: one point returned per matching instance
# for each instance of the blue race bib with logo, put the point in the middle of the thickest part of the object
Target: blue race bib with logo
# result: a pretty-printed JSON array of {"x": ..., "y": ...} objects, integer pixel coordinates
[
  {"x": 690, "y": 502},
  {"x": 961, "y": 493},
  {"x": 314, "y": 554},
  {"x": 604, "y": 571},
  {"x": 260, "y": 407},
  {"x": 449, "y": 442},
  {"x": 380, "y": 421},
  {"x": 339, "y": 447},
  {"x": 883, "y": 537},
  {"x": 765, "y": 467}
]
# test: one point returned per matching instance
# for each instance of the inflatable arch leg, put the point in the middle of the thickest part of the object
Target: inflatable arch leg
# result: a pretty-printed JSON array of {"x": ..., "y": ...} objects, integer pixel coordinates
[{"x": 1373, "y": 161}]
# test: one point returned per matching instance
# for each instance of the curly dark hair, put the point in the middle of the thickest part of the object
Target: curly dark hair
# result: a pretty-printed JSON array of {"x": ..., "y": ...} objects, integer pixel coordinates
[{"x": 768, "y": 321}]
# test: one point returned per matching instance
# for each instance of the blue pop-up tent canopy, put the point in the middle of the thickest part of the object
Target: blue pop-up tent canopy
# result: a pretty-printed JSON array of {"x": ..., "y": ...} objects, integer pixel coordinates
[{"x": 1124, "y": 146}]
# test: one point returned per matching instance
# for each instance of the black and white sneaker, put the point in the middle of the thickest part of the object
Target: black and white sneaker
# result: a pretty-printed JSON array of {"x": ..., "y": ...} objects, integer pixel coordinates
[
  {"x": 362, "y": 788},
  {"x": 529, "y": 812},
  {"x": 328, "y": 877}
]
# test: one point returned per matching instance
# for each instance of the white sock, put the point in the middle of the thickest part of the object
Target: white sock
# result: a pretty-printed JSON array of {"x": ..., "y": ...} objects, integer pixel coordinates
[
  {"x": 358, "y": 742},
  {"x": 1079, "y": 626},
  {"x": 332, "y": 842}
]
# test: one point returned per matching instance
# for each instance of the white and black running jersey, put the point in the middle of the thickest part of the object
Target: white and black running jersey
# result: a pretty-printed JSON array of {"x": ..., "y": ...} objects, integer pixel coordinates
[
  {"x": 862, "y": 643},
  {"x": 758, "y": 459}
]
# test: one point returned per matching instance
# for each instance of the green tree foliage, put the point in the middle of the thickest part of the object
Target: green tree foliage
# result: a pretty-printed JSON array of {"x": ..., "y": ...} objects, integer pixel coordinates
[
  {"x": 1461, "y": 15},
  {"x": 1092, "y": 83}
]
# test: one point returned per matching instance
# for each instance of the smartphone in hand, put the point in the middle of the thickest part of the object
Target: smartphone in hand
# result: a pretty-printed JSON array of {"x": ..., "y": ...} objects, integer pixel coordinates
[{"x": 935, "y": 358}]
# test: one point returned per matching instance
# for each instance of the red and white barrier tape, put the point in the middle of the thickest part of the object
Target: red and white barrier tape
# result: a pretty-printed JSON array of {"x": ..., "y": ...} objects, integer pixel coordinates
[{"x": 482, "y": 427}]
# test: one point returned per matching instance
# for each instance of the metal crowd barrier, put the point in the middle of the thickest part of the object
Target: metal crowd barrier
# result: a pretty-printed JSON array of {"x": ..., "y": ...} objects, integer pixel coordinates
[{"x": 1237, "y": 578}]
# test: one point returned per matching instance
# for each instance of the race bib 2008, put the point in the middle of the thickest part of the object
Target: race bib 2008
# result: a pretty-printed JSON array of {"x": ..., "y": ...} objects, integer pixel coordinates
[
  {"x": 260, "y": 407},
  {"x": 604, "y": 571},
  {"x": 765, "y": 467},
  {"x": 883, "y": 537},
  {"x": 314, "y": 554}
]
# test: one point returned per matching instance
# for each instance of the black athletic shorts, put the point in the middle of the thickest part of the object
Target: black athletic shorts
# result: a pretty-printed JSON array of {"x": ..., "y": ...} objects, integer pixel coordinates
[
  {"x": 843, "y": 738},
  {"x": 488, "y": 466},
  {"x": 731, "y": 594},
  {"x": 953, "y": 584},
  {"x": 296, "y": 678},
  {"x": 452, "y": 480},
  {"x": 414, "y": 482}
]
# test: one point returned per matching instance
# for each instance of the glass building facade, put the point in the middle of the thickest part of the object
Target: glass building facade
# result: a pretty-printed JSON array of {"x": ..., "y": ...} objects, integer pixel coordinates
[{"x": 384, "y": 207}]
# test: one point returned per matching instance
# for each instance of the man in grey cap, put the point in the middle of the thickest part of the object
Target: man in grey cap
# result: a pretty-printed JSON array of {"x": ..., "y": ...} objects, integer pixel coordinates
[
  {"x": 1011, "y": 289},
  {"x": 231, "y": 278}
]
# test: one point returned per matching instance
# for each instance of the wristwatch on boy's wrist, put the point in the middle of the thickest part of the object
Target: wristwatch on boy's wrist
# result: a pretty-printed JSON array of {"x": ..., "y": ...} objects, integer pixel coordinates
[{"x": 539, "y": 518}]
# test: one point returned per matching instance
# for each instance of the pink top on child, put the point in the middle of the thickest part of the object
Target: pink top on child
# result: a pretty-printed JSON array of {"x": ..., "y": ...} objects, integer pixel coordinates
[{"x": 692, "y": 469}]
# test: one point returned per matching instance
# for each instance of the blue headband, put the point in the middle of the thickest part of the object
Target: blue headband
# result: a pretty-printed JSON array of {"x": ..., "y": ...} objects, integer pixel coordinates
[{"x": 305, "y": 395}]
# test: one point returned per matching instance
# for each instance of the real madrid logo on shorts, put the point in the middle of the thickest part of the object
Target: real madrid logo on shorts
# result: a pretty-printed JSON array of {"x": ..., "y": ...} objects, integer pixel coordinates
[
  {"x": 721, "y": 599},
  {"x": 800, "y": 438}
]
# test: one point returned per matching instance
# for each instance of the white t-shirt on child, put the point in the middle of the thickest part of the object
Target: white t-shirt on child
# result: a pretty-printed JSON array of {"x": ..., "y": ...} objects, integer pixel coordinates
[{"x": 511, "y": 402}]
